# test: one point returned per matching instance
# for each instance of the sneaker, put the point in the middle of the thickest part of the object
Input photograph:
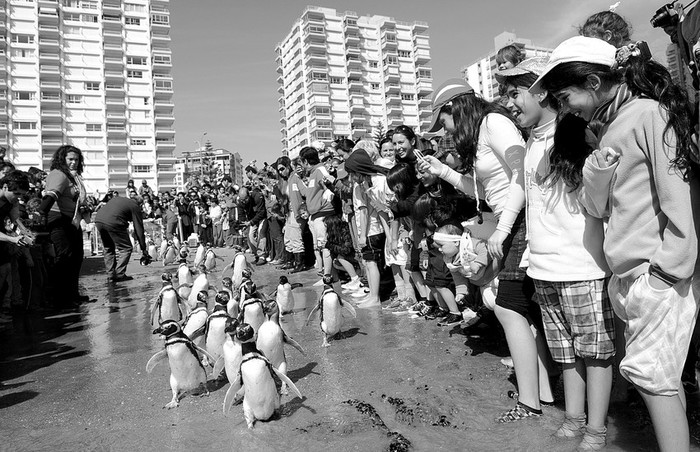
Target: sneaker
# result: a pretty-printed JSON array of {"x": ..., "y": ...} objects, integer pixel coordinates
[
  {"x": 359, "y": 293},
  {"x": 593, "y": 439},
  {"x": 416, "y": 307},
  {"x": 508, "y": 362},
  {"x": 393, "y": 304},
  {"x": 268, "y": 258},
  {"x": 436, "y": 313},
  {"x": 450, "y": 320},
  {"x": 354, "y": 284},
  {"x": 123, "y": 278}
]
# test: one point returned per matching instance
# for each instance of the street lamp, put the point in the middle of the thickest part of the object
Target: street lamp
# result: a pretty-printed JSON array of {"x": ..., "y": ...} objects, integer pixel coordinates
[{"x": 201, "y": 159}]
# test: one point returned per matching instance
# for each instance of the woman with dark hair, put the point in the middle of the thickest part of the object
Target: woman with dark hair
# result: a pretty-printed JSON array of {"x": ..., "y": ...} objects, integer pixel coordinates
[
  {"x": 508, "y": 57},
  {"x": 608, "y": 26},
  {"x": 405, "y": 142},
  {"x": 644, "y": 123},
  {"x": 61, "y": 205},
  {"x": 493, "y": 149}
]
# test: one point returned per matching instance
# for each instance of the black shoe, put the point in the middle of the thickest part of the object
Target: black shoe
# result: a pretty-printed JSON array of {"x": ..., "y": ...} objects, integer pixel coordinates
[
  {"x": 260, "y": 261},
  {"x": 433, "y": 313},
  {"x": 123, "y": 278},
  {"x": 450, "y": 320}
]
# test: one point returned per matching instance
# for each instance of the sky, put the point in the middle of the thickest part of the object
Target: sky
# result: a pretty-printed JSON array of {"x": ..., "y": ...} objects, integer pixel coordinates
[{"x": 224, "y": 53}]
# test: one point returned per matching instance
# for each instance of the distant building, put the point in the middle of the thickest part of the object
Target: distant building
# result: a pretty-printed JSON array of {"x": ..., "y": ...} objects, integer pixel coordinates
[
  {"x": 481, "y": 73},
  {"x": 342, "y": 75},
  {"x": 94, "y": 74},
  {"x": 221, "y": 162}
]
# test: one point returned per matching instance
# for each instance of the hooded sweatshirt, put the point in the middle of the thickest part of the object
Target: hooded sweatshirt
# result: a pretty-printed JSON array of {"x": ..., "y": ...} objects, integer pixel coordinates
[{"x": 566, "y": 243}]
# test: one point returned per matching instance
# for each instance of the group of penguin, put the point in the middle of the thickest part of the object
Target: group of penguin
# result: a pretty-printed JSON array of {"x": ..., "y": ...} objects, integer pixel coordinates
[{"x": 239, "y": 334}]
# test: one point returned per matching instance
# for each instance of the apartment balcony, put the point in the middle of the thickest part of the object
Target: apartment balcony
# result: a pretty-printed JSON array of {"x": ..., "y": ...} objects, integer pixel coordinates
[
  {"x": 394, "y": 109},
  {"x": 388, "y": 43},
  {"x": 352, "y": 39},
  {"x": 315, "y": 47},
  {"x": 391, "y": 74},
  {"x": 115, "y": 89},
  {"x": 422, "y": 56},
  {"x": 160, "y": 40},
  {"x": 161, "y": 105},
  {"x": 112, "y": 7},
  {"x": 115, "y": 102},
  {"x": 49, "y": 72},
  {"x": 116, "y": 144},
  {"x": 164, "y": 132},
  {"x": 392, "y": 88},
  {"x": 51, "y": 100},
  {"x": 48, "y": 31},
  {"x": 52, "y": 130},
  {"x": 46, "y": 85},
  {"x": 113, "y": 50},
  {"x": 420, "y": 45},
  {"x": 357, "y": 105},
  {"x": 394, "y": 99},
  {"x": 394, "y": 121},
  {"x": 165, "y": 144},
  {"x": 116, "y": 116},
  {"x": 120, "y": 156},
  {"x": 425, "y": 113},
  {"x": 358, "y": 120},
  {"x": 51, "y": 116},
  {"x": 118, "y": 173},
  {"x": 51, "y": 142},
  {"x": 316, "y": 59},
  {"x": 162, "y": 62},
  {"x": 314, "y": 35},
  {"x": 49, "y": 57},
  {"x": 355, "y": 85},
  {"x": 116, "y": 130},
  {"x": 47, "y": 43},
  {"x": 162, "y": 92},
  {"x": 424, "y": 87},
  {"x": 424, "y": 101},
  {"x": 113, "y": 36},
  {"x": 359, "y": 132},
  {"x": 112, "y": 22},
  {"x": 165, "y": 119},
  {"x": 283, "y": 122},
  {"x": 48, "y": 14},
  {"x": 425, "y": 123},
  {"x": 159, "y": 24}
]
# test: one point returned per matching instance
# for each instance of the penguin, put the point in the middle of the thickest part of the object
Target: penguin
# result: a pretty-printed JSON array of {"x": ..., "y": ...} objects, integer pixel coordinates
[
  {"x": 170, "y": 255},
  {"x": 232, "y": 307},
  {"x": 168, "y": 305},
  {"x": 260, "y": 397},
  {"x": 199, "y": 284},
  {"x": 238, "y": 264},
  {"x": 163, "y": 249},
  {"x": 230, "y": 361},
  {"x": 196, "y": 321},
  {"x": 214, "y": 334},
  {"x": 184, "y": 273},
  {"x": 330, "y": 311},
  {"x": 199, "y": 255},
  {"x": 210, "y": 258},
  {"x": 177, "y": 243},
  {"x": 271, "y": 340},
  {"x": 186, "y": 370},
  {"x": 252, "y": 313},
  {"x": 247, "y": 288},
  {"x": 152, "y": 250},
  {"x": 284, "y": 296}
]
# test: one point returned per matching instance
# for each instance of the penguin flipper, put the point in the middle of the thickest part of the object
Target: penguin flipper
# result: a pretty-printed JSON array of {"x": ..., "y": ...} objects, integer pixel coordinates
[
  {"x": 272, "y": 295},
  {"x": 350, "y": 308},
  {"x": 289, "y": 382},
  {"x": 227, "y": 268},
  {"x": 205, "y": 353},
  {"x": 219, "y": 366},
  {"x": 311, "y": 314},
  {"x": 155, "y": 359},
  {"x": 297, "y": 285},
  {"x": 231, "y": 394},
  {"x": 197, "y": 333},
  {"x": 154, "y": 310},
  {"x": 293, "y": 343}
]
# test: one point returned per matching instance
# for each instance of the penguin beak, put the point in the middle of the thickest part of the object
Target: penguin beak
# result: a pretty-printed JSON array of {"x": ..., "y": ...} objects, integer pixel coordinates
[{"x": 158, "y": 331}]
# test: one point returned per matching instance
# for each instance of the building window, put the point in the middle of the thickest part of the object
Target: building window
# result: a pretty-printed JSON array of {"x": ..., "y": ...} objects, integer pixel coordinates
[
  {"x": 93, "y": 127},
  {"x": 336, "y": 80},
  {"x": 162, "y": 59},
  {"x": 23, "y": 39},
  {"x": 322, "y": 111},
  {"x": 134, "y": 7},
  {"x": 135, "y": 142},
  {"x": 109, "y": 18},
  {"x": 164, "y": 85},
  {"x": 319, "y": 76},
  {"x": 132, "y": 21},
  {"x": 405, "y": 53},
  {"x": 71, "y": 17},
  {"x": 373, "y": 64},
  {"x": 142, "y": 168},
  {"x": 74, "y": 99},
  {"x": 92, "y": 86},
  {"x": 161, "y": 19},
  {"x": 407, "y": 97},
  {"x": 24, "y": 95},
  {"x": 134, "y": 74},
  {"x": 391, "y": 60},
  {"x": 24, "y": 125},
  {"x": 374, "y": 85},
  {"x": 424, "y": 73},
  {"x": 319, "y": 88},
  {"x": 324, "y": 135},
  {"x": 323, "y": 124},
  {"x": 23, "y": 53},
  {"x": 89, "y": 18}
]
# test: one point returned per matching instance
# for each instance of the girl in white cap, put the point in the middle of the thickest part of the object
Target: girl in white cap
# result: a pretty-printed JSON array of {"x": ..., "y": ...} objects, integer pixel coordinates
[
  {"x": 566, "y": 258},
  {"x": 493, "y": 148},
  {"x": 648, "y": 187}
]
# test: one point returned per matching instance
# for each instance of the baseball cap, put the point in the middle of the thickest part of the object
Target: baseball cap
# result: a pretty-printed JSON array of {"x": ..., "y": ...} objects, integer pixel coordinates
[
  {"x": 534, "y": 65},
  {"x": 450, "y": 89},
  {"x": 581, "y": 49}
]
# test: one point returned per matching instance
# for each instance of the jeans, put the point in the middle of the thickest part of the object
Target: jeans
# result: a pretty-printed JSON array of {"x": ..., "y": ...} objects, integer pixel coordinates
[
  {"x": 68, "y": 245},
  {"x": 116, "y": 242},
  {"x": 257, "y": 239},
  {"x": 276, "y": 239}
]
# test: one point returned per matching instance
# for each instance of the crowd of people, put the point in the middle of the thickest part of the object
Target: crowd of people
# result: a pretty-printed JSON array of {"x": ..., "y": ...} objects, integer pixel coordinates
[{"x": 565, "y": 209}]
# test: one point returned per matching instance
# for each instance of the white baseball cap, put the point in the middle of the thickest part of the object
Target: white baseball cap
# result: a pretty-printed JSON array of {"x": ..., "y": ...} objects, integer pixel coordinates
[{"x": 577, "y": 49}]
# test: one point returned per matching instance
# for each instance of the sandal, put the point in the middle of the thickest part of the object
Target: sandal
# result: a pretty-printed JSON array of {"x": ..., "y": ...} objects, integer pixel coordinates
[
  {"x": 573, "y": 427},
  {"x": 520, "y": 411},
  {"x": 514, "y": 395},
  {"x": 593, "y": 439}
]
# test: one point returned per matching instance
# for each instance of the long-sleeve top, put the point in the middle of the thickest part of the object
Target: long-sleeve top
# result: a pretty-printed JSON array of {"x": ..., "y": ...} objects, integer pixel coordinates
[
  {"x": 566, "y": 243},
  {"x": 652, "y": 225},
  {"x": 499, "y": 170},
  {"x": 117, "y": 214},
  {"x": 254, "y": 207}
]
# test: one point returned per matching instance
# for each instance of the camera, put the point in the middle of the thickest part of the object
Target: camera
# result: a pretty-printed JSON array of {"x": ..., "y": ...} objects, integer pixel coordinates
[
  {"x": 146, "y": 260},
  {"x": 666, "y": 16}
]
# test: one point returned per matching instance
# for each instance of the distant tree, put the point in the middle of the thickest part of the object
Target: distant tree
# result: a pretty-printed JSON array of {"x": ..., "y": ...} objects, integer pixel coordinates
[
  {"x": 209, "y": 167},
  {"x": 379, "y": 132}
]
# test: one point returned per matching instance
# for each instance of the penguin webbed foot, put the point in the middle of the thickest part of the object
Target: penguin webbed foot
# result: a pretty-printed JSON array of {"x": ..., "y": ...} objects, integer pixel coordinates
[
  {"x": 284, "y": 390},
  {"x": 325, "y": 343},
  {"x": 172, "y": 404}
]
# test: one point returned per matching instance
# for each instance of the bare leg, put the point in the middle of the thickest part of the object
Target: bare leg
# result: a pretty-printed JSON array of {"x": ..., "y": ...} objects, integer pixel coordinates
[
  {"x": 408, "y": 287},
  {"x": 599, "y": 375},
  {"x": 398, "y": 281},
  {"x": 669, "y": 419},
  {"x": 373, "y": 279},
  {"x": 418, "y": 280},
  {"x": 347, "y": 266},
  {"x": 327, "y": 261},
  {"x": 449, "y": 299},
  {"x": 544, "y": 363},
  {"x": 523, "y": 349}
]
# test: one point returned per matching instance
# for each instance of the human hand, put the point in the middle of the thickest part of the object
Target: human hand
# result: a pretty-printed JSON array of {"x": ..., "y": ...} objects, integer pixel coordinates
[
  {"x": 604, "y": 158},
  {"x": 393, "y": 247},
  {"x": 495, "y": 244},
  {"x": 431, "y": 165}
]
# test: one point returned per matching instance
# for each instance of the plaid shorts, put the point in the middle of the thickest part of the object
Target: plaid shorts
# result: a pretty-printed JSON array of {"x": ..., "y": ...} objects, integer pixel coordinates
[{"x": 578, "y": 319}]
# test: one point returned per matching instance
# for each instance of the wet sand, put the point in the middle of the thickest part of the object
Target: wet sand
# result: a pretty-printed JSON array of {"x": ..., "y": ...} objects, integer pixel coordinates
[{"x": 77, "y": 381}]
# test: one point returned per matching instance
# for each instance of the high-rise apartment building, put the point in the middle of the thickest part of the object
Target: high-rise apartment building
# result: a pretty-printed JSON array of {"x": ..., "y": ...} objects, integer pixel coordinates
[
  {"x": 92, "y": 73},
  {"x": 481, "y": 74},
  {"x": 344, "y": 75}
]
